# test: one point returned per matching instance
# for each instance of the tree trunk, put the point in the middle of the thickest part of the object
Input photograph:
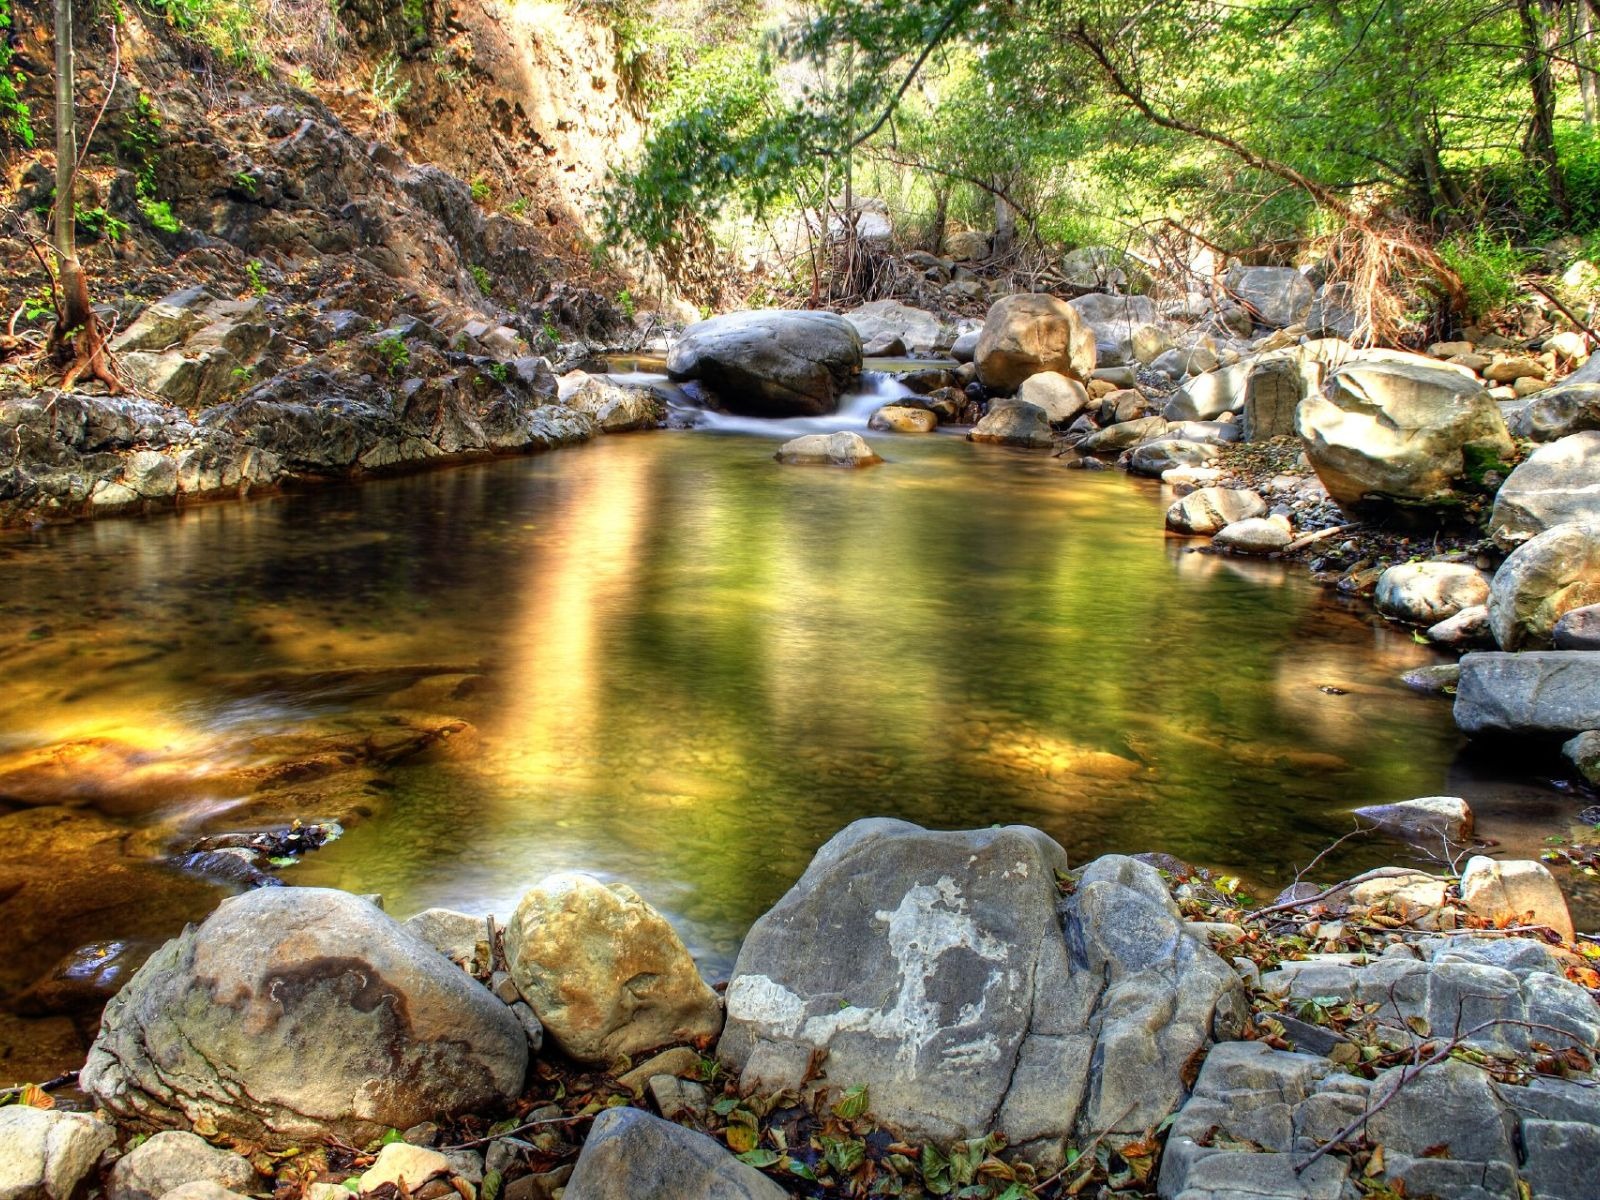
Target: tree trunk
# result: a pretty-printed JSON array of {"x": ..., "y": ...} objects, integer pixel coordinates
[
  {"x": 1540, "y": 33},
  {"x": 1005, "y": 222},
  {"x": 76, "y": 342},
  {"x": 1583, "y": 53},
  {"x": 941, "y": 217}
]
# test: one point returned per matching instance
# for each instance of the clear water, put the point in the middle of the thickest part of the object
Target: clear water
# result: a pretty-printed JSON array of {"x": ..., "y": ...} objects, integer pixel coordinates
[{"x": 697, "y": 665}]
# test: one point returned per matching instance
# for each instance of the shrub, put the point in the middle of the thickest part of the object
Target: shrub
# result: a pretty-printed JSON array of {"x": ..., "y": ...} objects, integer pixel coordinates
[{"x": 1490, "y": 267}]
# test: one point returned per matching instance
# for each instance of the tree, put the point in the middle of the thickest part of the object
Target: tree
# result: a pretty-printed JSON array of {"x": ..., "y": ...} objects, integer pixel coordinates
[{"x": 77, "y": 342}]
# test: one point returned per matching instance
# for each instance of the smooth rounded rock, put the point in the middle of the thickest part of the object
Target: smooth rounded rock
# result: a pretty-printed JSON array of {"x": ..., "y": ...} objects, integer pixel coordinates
[
  {"x": 843, "y": 449},
  {"x": 291, "y": 1013},
  {"x": 45, "y": 1154},
  {"x": 1061, "y": 398},
  {"x": 1013, "y": 423},
  {"x": 174, "y": 1158},
  {"x": 1542, "y": 580},
  {"x": 1255, "y": 535},
  {"x": 1208, "y": 509},
  {"x": 631, "y": 1155},
  {"x": 1515, "y": 890},
  {"x": 1578, "y": 629},
  {"x": 1029, "y": 333},
  {"x": 1557, "y": 484},
  {"x": 1428, "y": 820},
  {"x": 894, "y": 418},
  {"x": 604, "y": 972},
  {"x": 770, "y": 363},
  {"x": 1469, "y": 628},
  {"x": 1152, "y": 459},
  {"x": 1425, "y": 593}
]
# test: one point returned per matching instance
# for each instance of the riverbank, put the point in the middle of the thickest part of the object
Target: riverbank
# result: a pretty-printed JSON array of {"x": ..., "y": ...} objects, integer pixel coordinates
[{"x": 1302, "y": 1044}]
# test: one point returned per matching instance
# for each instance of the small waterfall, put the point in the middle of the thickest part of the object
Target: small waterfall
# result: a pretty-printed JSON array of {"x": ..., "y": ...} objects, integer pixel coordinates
[{"x": 873, "y": 391}]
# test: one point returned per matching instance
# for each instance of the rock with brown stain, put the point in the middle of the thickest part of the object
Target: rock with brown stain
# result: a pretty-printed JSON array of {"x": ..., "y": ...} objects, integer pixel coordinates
[
  {"x": 293, "y": 1013},
  {"x": 605, "y": 972}
]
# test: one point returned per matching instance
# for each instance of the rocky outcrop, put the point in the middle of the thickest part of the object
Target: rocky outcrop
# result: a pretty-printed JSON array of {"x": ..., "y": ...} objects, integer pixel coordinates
[
  {"x": 1425, "y": 593},
  {"x": 1026, "y": 334},
  {"x": 613, "y": 408},
  {"x": 1543, "y": 579},
  {"x": 1556, "y": 484},
  {"x": 1402, "y": 431},
  {"x": 843, "y": 449},
  {"x": 1538, "y": 693},
  {"x": 290, "y": 1013},
  {"x": 948, "y": 974},
  {"x": 770, "y": 363},
  {"x": 632, "y": 1154},
  {"x": 46, "y": 1154},
  {"x": 604, "y": 972}
]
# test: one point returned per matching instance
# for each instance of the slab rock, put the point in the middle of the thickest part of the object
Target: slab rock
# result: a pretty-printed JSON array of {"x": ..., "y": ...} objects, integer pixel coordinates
[
  {"x": 290, "y": 1013},
  {"x": 631, "y": 1154},
  {"x": 1026, "y": 334},
  {"x": 1401, "y": 430},
  {"x": 770, "y": 363},
  {"x": 944, "y": 971},
  {"x": 604, "y": 972},
  {"x": 1537, "y": 693},
  {"x": 1014, "y": 423},
  {"x": 174, "y": 1158},
  {"x": 1558, "y": 483},
  {"x": 44, "y": 1154}
]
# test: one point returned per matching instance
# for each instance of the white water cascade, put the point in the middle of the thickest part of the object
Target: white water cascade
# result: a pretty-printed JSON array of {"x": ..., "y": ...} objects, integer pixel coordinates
[{"x": 875, "y": 389}]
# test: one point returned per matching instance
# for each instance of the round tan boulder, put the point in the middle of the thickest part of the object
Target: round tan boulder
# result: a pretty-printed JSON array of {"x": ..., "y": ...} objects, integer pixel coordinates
[
  {"x": 1544, "y": 578},
  {"x": 604, "y": 971},
  {"x": 1026, "y": 334}
]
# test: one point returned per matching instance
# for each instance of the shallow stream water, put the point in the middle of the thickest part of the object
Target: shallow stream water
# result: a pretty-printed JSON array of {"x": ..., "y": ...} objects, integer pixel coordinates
[{"x": 684, "y": 666}]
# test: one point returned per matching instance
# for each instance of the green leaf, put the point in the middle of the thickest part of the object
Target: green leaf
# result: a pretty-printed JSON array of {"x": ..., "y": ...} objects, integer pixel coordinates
[
  {"x": 759, "y": 1157},
  {"x": 852, "y": 1104},
  {"x": 844, "y": 1155},
  {"x": 725, "y": 1106},
  {"x": 390, "y": 1137},
  {"x": 490, "y": 1188}
]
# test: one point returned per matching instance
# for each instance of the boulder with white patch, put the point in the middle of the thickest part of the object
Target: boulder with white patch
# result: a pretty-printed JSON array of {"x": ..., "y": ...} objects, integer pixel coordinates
[{"x": 947, "y": 974}]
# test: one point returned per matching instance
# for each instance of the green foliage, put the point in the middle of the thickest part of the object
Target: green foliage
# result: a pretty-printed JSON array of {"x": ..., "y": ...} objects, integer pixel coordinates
[
  {"x": 387, "y": 89},
  {"x": 518, "y": 207},
  {"x": 498, "y": 372},
  {"x": 626, "y": 304},
  {"x": 392, "y": 350},
  {"x": 98, "y": 223},
  {"x": 415, "y": 15},
  {"x": 1490, "y": 268},
  {"x": 16, "y": 121},
  {"x": 252, "y": 275},
  {"x": 480, "y": 276},
  {"x": 231, "y": 28},
  {"x": 159, "y": 214},
  {"x": 480, "y": 189}
]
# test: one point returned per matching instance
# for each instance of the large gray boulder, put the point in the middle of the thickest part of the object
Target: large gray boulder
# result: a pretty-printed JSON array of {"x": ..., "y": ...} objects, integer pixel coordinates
[
  {"x": 946, "y": 973},
  {"x": 1029, "y": 333},
  {"x": 1061, "y": 398},
  {"x": 1554, "y": 485},
  {"x": 604, "y": 972},
  {"x": 1400, "y": 431},
  {"x": 1572, "y": 406},
  {"x": 770, "y": 363},
  {"x": 1122, "y": 325},
  {"x": 1538, "y": 693},
  {"x": 630, "y": 1155},
  {"x": 1425, "y": 593},
  {"x": 292, "y": 1013},
  {"x": 1542, "y": 580},
  {"x": 918, "y": 330},
  {"x": 45, "y": 1154},
  {"x": 1276, "y": 296},
  {"x": 1206, "y": 397}
]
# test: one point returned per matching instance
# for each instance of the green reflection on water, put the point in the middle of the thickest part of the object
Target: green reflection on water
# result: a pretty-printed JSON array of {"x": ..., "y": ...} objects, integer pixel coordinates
[{"x": 698, "y": 665}]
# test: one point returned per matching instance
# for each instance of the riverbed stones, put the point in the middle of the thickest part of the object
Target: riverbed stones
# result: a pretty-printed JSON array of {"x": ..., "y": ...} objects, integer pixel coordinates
[
  {"x": 1467, "y": 630},
  {"x": 899, "y": 418},
  {"x": 1537, "y": 693},
  {"x": 1428, "y": 820},
  {"x": 1559, "y": 411},
  {"x": 1029, "y": 333},
  {"x": 1425, "y": 593},
  {"x": 1543, "y": 579},
  {"x": 1254, "y": 536},
  {"x": 1061, "y": 398},
  {"x": 1153, "y": 459},
  {"x": 1557, "y": 484},
  {"x": 1578, "y": 629},
  {"x": 770, "y": 363},
  {"x": 842, "y": 449},
  {"x": 1115, "y": 438},
  {"x": 1014, "y": 423},
  {"x": 1402, "y": 431},
  {"x": 174, "y": 1158},
  {"x": 1208, "y": 509},
  {"x": 936, "y": 969},
  {"x": 291, "y": 1013},
  {"x": 605, "y": 973},
  {"x": 631, "y": 1154},
  {"x": 1515, "y": 891},
  {"x": 45, "y": 1154}
]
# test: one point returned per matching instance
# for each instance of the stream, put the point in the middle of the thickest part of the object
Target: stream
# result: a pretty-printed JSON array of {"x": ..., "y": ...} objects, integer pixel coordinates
[{"x": 665, "y": 659}]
